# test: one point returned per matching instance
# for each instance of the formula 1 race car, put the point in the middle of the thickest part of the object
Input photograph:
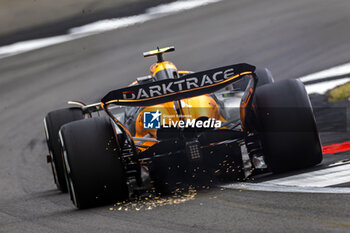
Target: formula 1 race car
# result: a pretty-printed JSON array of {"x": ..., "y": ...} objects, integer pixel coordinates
[{"x": 172, "y": 129}]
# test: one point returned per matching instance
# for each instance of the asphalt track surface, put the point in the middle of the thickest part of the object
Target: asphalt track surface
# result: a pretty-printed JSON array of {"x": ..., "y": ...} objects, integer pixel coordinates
[{"x": 292, "y": 38}]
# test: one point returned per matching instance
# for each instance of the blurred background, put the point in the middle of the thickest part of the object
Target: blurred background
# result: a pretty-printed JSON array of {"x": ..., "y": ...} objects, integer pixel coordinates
[
  {"x": 43, "y": 64},
  {"x": 22, "y": 20}
]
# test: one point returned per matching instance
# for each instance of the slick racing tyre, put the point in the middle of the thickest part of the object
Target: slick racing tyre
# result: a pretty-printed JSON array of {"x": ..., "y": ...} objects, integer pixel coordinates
[
  {"x": 264, "y": 77},
  {"x": 92, "y": 162},
  {"x": 287, "y": 126},
  {"x": 52, "y": 124}
]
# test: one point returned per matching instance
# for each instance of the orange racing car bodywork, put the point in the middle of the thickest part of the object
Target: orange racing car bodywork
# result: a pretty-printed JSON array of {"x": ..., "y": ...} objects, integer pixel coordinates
[{"x": 197, "y": 107}]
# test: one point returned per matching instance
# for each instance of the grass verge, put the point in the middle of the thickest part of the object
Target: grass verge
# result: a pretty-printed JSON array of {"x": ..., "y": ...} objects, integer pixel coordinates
[{"x": 339, "y": 93}]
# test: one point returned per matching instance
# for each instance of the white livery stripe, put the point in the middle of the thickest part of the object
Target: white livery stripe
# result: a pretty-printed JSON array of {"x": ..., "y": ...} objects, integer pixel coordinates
[{"x": 321, "y": 178}]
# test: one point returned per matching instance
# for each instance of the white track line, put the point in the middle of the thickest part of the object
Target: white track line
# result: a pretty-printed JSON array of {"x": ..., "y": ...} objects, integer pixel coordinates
[
  {"x": 323, "y": 87},
  {"x": 335, "y": 71},
  {"x": 321, "y": 178},
  {"x": 311, "y": 182},
  {"x": 103, "y": 26},
  {"x": 286, "y": 189}
]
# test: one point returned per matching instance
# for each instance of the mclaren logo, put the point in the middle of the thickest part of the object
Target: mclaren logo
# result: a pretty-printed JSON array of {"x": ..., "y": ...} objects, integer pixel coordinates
[{"x": 178, "y": 85}]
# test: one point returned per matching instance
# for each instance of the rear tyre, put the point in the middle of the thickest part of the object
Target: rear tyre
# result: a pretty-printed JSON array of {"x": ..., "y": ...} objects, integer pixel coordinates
[
  {"x": 264, "y": 77},
  {"x": 52, "y": 123},
  {"x": 94, "y": 170},
  {"x": 287, "y": 126}
]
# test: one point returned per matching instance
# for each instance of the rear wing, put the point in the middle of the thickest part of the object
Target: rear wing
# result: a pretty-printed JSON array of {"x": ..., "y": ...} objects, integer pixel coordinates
[{"x": 191, "y": 85}]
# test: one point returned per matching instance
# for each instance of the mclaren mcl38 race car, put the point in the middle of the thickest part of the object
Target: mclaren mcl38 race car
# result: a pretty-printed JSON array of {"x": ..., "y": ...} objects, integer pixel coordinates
[{"x": 173, "y": 128}]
